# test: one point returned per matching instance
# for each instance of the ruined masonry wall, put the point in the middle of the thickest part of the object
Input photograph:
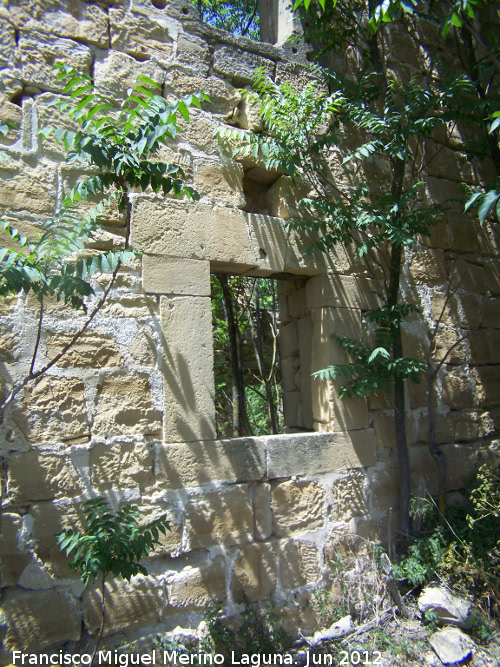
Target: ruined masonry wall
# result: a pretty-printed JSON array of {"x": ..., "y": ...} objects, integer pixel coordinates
[{"x": 129, "y": 413}]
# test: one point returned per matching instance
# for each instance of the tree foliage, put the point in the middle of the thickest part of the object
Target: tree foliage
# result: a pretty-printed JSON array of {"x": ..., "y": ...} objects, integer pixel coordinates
[
  {"x": 239, "y": 17},
  {"x": 354, "y": 139},
  {"x": 112, "y": 543},
  {"x": 117, "y": 147}
]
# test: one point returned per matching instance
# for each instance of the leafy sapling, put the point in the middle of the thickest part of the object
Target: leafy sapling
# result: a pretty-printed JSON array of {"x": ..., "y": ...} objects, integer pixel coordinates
[{"x": 111, "y": 544}]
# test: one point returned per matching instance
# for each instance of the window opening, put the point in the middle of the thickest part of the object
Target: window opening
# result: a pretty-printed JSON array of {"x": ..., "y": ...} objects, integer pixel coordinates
[
  {"x": 240, "y": 17},
  {"x": 248, "y": 393}
]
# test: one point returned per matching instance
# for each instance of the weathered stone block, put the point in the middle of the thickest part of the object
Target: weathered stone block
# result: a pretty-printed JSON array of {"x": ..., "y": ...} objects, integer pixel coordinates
[
  {"x": 472, "y": 425},
  {"x": 72, "y": 18},
  {"x": 198, "y": 132},
  {"x": 132, "y": 305},
  {"x": 194, "y": 52},
  {"x": 35, "y": 476},
  {"x": 195, "y": 231},
  {"x": 188, "y": 369},
  {"x": 460, "y": 390},
  {"x": 35, "y": 620},
  {"x": 239, "y": 65},
  {"x": 490, "y": 311},
  {"x": 224, "y": 97},
  {"x": 349, "y": 496},
  {"x": 220, "y": 183},
  {"x": 472, "y": 276},
  {"x": 254, "y": 575},
  {"x": 194, "y": 463},
  {"x": 315, "y": 453},
  {"x": 37, "y": 57},
  {"x": 13, "y": 559},
  {"x": 140, "y": 35},
  {"x": 489, "y": 377},
  {"x": 92, "y": 350},
  {"x": 27, "y": 187},
  {"x": 125, "y": 406},
  {"x": 297, "y": 507},
  {"x": 383, "y": 422},
  {"x": 121, "y": 465},
  {"x": 9, "y": 344},
  {"x": 115, "y": 72},
  {"x": 299, "y": 564},
  {"x": 219, "y": 517},
  {"x": 485, "y": 347},
  {"x": 48, "y": 519},
  {"x": 262, "y": 511},
  {"x": 129, "y": 604},
  {"x": 289, "y": 340},
  {"x": 197, "y": 586},
  {"x": 171, "y": 275},
  {"x": 7, "y": 43},
  {"x": 326, "y": 321},
  {"x": 53, "y": 410},
  {"x": 343, "y": 292},
  {"x": 447, "y": 344},
  {"x": 143, "y": 347},
  {"x": 305, "y": 331},
  {"x": 349, "y": 413},
  {"x": 292, "y": 413},
  {"x": 427, "y": 267}
]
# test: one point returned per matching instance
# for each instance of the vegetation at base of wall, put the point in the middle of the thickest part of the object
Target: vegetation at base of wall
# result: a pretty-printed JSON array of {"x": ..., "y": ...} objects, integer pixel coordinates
[
  {"x": 111, "y": 543},
  {"x": 248, "y": 393},
  {"x": 461, "y": 548},
  {"x": 258, "y": 630}
]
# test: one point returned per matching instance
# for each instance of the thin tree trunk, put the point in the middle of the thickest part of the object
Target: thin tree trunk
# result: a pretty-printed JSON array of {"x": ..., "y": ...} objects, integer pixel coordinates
[
  {"x": 399, "y": 400},
  {"x": 241, "y": 425},
  {"x": 271, "y": 409}
]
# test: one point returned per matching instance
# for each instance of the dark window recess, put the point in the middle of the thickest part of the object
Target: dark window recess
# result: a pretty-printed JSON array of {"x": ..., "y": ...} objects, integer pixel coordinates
[{"x": 257, "y": 183}]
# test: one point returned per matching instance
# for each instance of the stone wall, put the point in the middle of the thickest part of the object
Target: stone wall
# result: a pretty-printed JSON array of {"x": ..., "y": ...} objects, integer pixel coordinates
[{"x": 129, "y": 412}]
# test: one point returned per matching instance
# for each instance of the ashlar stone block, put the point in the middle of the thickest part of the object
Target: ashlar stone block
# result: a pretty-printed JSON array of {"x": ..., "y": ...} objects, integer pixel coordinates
[
  {"x": 53, "y": 410},
  {"x": 125, "y": 406},
  {"x": 299, "y": 564},
  {"x": 343, "y": 292},
  {"x": 254, "y": 574},
  {"x": 121, "y": 465},
  {"x": 192, "y": 464},
  {"x": 197, "y": 586},
  {"x": 297, "y": 507},
  {"x": 319, "y": 452},
  {"x": 239, "y": 65},
  {"x": 115, "y": 72},
  {"x": 174, "y": 276},
  {"x": 28, "y": 186},
  {"x": 222, "y": 517},
  {"x": 129, "y": 604},
  {"x": 220, "y": 183},
  {"x": 37, "y": 57},
  {"x": 262, "y": 511},
  {"x": 140, "y": 35},
  {"x": 188, "y": 369},
  {"x": 92, "y": 350},
  {"x": 36, "y": 619},
  {"x": 191, "y": 230},
  {"x": 13, "y": 559},
  {"x": 35, "y": 476}
]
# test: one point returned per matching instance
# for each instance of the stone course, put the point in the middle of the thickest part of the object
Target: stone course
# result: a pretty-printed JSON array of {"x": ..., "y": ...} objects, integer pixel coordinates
[{"x": 128, "y": 412}]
